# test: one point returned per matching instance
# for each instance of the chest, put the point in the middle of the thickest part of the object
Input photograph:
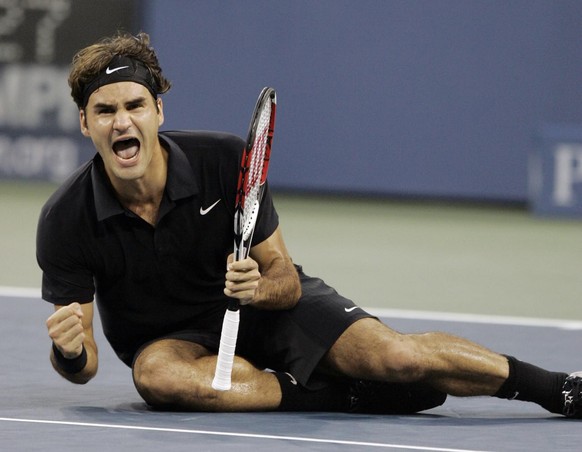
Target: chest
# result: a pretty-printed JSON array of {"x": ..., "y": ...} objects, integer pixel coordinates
[
  {"x": 189, "y": 243},
  {"x": 147, "y": 212}
]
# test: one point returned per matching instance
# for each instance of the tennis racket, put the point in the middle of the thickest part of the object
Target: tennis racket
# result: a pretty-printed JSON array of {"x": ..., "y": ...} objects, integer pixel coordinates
[{"x": 251, "y": 181}]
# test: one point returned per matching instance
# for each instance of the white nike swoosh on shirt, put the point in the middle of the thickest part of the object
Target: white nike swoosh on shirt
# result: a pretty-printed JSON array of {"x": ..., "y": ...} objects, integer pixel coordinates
[
  {"x": 350, "y": 309},
  {"x": 111, "y": 71},
  {"x": 293, "y": 381},
  {"x": 208, "y": 209}
]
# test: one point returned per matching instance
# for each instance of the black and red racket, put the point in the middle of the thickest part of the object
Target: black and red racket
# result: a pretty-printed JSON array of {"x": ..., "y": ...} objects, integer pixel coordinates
[{"x": 251, "y": 180}]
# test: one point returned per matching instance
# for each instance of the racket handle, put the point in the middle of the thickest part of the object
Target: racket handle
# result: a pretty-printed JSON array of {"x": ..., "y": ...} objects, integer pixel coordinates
[{"x": 225, "y": 360}]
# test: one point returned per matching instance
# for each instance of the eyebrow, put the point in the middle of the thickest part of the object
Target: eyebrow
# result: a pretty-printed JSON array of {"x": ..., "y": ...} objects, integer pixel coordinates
[{"x": 137, "y": 100}]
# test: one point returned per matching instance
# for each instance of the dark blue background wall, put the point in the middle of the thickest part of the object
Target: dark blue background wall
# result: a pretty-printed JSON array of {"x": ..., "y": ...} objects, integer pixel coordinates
[{"x": 422, "y": 97}]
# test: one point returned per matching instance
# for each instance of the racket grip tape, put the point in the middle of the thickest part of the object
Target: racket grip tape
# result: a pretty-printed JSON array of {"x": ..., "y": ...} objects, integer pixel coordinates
[{"x": 225, "y": 360}]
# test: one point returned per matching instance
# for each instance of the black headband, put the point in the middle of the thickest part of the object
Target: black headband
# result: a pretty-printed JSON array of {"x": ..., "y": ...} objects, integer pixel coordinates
[{"x": 122, "y": 69}]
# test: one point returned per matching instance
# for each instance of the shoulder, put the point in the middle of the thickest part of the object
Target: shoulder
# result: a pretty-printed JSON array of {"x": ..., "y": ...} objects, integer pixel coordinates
[
  {"x": 70, "y": 190},
  {"x": 75, "y": 191},
  {"x": 202, "y": 141},
  {"x": 206, "y": 150}
]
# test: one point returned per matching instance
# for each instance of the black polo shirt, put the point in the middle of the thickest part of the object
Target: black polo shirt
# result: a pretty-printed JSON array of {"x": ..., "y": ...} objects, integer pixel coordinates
[{"x": 148, "y": 281}]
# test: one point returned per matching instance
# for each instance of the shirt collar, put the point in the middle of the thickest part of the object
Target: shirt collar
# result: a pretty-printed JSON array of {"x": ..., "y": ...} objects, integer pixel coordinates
[{"x": 181, "y": 182}]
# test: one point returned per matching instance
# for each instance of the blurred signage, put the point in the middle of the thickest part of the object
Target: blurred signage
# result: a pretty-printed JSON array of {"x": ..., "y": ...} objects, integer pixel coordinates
[
  {"x": 39, "y": 123},
  {"x": 556, "y": 172}
]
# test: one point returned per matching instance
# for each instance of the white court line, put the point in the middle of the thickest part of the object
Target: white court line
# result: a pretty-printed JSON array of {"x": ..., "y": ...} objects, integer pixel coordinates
[
  {"x": 19, "y": 292},
  {"x": 238, "y": 435},
  {"x": 25, "y": 292},
  {"x": 477, "y": 318}
]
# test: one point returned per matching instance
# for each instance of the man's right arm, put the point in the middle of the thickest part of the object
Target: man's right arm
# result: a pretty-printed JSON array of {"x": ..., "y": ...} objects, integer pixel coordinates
[{"x": 71, "y": 330}]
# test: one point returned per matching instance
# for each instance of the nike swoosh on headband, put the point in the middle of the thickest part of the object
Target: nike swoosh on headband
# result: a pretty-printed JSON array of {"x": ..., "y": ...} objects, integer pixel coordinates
[{"x": 111, "y": 71}]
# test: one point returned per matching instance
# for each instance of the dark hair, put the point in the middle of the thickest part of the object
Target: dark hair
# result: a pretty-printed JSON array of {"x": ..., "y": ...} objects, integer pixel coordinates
[{"x": 89, "y": 62}]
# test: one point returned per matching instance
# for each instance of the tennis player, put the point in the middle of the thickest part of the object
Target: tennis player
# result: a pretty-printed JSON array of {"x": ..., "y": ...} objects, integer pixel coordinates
[{"x": 144, "y": 230}]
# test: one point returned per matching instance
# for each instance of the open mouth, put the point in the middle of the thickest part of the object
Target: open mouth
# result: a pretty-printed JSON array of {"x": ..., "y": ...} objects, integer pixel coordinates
[{"x": 126, "y": 149}]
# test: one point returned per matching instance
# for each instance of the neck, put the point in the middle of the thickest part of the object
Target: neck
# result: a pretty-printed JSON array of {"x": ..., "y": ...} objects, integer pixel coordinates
[{"x": 143, "y": 196}]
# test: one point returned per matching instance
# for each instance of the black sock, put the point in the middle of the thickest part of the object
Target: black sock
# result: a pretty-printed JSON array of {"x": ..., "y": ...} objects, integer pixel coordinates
[
  {"x": 331, "y": 396},
  {"x": 533, "y": 384}
]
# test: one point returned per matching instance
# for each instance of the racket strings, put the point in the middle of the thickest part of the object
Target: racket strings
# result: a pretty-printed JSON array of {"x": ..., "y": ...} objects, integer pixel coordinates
[{"x": 255, "y": 167}]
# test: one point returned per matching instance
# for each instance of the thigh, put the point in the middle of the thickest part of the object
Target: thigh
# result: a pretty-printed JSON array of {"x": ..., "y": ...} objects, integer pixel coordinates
[
  {"x": 179, "y": 340},
  {"x": 165, "y": 351}
]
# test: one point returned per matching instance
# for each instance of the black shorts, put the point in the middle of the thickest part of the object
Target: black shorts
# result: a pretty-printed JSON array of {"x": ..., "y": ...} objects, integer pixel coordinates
[{"x": 292, "y": 340}]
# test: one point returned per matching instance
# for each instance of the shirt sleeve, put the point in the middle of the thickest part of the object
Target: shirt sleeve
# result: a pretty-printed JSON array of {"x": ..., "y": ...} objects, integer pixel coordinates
[{"x": 65, "y": 276}]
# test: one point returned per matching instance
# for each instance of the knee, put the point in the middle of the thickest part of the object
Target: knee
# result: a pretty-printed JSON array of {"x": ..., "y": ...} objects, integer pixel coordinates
[
  {"x": 169, "y": 385},
  {"x": 400, "y": 359},
  {"x": 153, "y": 381},
  {"x": 371, "y": 350},
  {"x": 406, "y": 364}
]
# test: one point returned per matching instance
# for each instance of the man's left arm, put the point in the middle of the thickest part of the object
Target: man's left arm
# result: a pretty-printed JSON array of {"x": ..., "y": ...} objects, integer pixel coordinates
[{"x": 267, "y": 279}]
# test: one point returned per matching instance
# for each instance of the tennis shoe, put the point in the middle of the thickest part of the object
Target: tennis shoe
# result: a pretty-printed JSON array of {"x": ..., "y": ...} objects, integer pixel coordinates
[
  {"x": 373, "y": 397},
  {"x": 572, "y": 396}
]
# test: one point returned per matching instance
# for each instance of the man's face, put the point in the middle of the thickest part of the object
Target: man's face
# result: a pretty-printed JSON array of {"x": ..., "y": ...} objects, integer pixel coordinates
[{"x": 122, "y": 119}]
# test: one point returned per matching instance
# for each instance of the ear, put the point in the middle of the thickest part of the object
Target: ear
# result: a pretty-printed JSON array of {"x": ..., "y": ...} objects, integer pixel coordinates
[
  {"x": 83, "y": 123},
  {"x": 160, "y": 105}
]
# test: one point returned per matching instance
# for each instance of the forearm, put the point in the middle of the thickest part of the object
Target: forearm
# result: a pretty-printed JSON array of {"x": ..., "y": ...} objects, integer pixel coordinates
[
  {"x": 267, "y": 279},
  {"x": 279, "y": 286},
  {"x": 78, "y": 376}
]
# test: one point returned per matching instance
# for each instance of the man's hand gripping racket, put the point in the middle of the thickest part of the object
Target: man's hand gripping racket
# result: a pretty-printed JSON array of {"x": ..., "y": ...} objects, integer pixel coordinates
[{"x": 251, "y": 180}]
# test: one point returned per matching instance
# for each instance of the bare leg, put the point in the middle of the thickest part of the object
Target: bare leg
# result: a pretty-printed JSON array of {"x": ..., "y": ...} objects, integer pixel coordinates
[
  {"x": 175, "y": 374},
  {"x": 370, "y": 350}
]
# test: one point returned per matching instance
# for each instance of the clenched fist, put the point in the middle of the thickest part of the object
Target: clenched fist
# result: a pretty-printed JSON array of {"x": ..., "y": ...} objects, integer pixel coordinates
[{"x": 65, "y": 328}]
